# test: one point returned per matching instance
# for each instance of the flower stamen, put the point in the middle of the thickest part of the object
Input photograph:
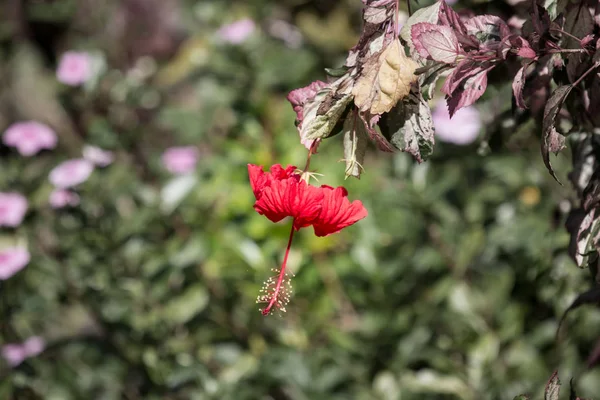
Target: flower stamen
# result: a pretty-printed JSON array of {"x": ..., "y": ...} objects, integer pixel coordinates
[
  {"x": 307, "y": 175},
  {"x": 276, "y": 293}
]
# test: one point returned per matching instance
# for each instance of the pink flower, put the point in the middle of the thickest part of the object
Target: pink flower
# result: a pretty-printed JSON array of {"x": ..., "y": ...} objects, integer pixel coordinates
[
  {"x": 237, "y": 32},
  {"x": 60, "y": 198},
  {"x": 12, "y": 260},
  {"x": 29, "y": 137},
  {"x": 12, "y": 209},
  {"x": 287, "y": 32},
  {"x": 74, "y": 68},
  {"x": 463, "y": 128},
  {"x": 13, "y": 354},
  {"x": 71, "y": 173},
  {"x": 97, "y": 156},
  {"x": 180, "y": 160},
  {"x": 16, "y": 353}
]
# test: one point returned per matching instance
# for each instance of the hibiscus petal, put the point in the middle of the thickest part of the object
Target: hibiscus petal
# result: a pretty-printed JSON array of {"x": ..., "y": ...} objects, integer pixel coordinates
[
  {"x": 337, "y": 212},
  {"x": 279, "y": 173},
  {"x": 291, "y": 197},
  {"x": 259, "y": 179}
]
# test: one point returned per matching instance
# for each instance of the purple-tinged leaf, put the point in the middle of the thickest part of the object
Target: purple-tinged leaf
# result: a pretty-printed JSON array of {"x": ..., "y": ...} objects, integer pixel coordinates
[
  {"x": 517, "y": 86},
  {"x": 449, "y": 17},
  {"x": 377, "y": 12},
  {"x": 374, "y": 37},
  {"x": 299, "y": 97},
  {"x": 586, "y": 40},
  {"x": 579, "y": 23},
  {"x": 379, "y": 3},
  {"x": 468, "y": 93},
  {"x": 552, "y": 141},
  {"x": 425, "y": 14},
  {"x": 322, "y": 112},
  {"x": 519, "y": 44},
  {"x": 463, "y": 70},
  {"x": 552, "y": 387},
  {"x": 527, "y": 52},
  {"x": 370, "y": 122},
  {"x": 435, "y": 42},
  {"x": 487, "y": 28},
  {"x": 536, "y": 28}
]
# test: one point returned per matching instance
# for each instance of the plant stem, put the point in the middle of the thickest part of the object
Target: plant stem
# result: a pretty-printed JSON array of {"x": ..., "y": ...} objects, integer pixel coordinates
[
  {"x": 567, "y": 51},
  {"x": 566, "y": 34},
  {"x": 310, "y": 152},
  {"x": 586, "y": 73}
]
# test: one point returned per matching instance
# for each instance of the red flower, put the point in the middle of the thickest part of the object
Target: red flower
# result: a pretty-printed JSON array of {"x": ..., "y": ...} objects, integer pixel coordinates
[
  {"x": 291, "y": 197},
  {"x": 260, "y": 179},
  {"x": 337, "y": 212},
  {"x": 283, "y": 193}
]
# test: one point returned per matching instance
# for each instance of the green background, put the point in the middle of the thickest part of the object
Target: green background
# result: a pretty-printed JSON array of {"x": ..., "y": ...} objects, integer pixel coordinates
[{"x": 451, "y": 288}]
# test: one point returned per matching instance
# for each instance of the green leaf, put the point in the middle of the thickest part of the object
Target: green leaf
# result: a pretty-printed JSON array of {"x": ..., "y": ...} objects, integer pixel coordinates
[
  {"x": 355, "y": 144},
  {"x": 409, "y": 127},
  {"x": 184, "y": 307},
  {"x": 551, "y": 7},
  {"x": 429, "y": 78},
  {"x": 317, "y": 125},
  {"x": 175, "y": 191},
  {"x": 591, "y": 296},
  {"x": 336, "y": 72},
  {"x": 521, "y": 397},
  {"x": 552, "y": 387}
]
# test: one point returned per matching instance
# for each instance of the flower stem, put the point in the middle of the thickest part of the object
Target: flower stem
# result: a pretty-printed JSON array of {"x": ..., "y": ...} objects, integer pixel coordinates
[
  {"x": 275, "y": 297},
  {"x": 593, "y": 67},
  {"x": 312, "y": 149}
]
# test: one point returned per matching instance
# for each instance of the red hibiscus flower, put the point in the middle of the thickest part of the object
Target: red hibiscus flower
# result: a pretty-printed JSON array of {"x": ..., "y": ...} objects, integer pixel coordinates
[
  {"x": 291, "y": 197},
  {"x": 283, "y": 193}
]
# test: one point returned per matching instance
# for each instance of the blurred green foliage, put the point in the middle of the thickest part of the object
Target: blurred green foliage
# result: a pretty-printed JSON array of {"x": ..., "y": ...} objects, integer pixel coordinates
[{"x": 450, "y": 289}]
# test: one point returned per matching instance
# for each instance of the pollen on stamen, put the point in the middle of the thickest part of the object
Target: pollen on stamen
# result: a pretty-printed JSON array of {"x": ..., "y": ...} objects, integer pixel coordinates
[{"x": 269, "y": 290}]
